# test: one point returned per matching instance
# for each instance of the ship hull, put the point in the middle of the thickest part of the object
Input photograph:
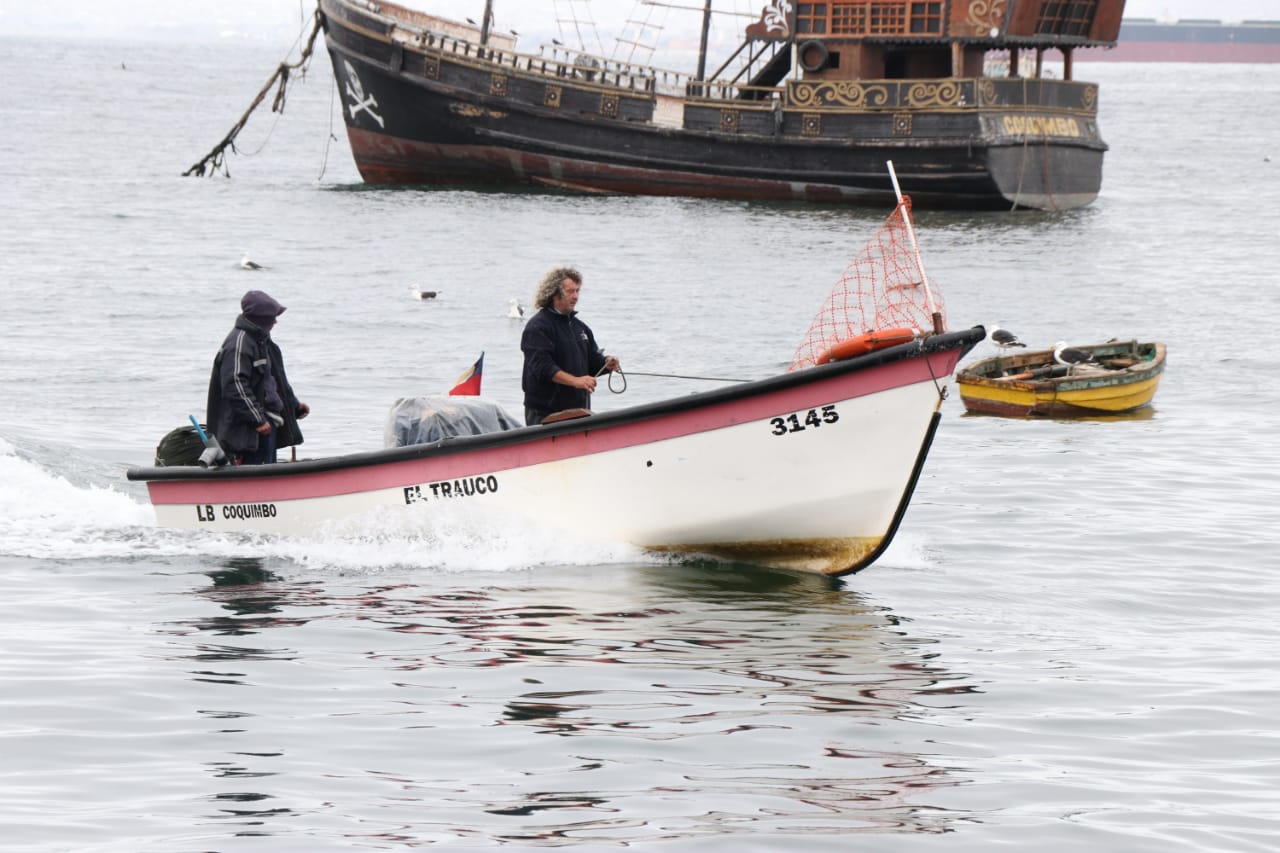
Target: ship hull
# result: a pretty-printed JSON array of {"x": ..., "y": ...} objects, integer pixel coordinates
[{"x": 433, "y": 113}]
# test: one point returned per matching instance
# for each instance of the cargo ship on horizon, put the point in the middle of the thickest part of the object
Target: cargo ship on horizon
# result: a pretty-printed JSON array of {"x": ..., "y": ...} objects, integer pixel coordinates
[{"x": 1190, "y": 40}]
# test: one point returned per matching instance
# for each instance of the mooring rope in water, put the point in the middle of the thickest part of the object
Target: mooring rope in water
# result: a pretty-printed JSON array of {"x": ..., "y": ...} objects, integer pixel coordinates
[{"x": 216, "y": 159}]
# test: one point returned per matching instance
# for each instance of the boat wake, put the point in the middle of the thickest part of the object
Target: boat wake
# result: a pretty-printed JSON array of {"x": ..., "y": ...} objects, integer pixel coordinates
[
  {"x": 54, "y": 509},
  {"x": 453, "y": 539},
  {"x": 49, "y": 517}
]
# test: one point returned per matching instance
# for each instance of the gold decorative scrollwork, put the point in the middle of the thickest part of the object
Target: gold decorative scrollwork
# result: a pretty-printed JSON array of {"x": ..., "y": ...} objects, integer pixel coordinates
[
  {"x": 985, "y": 16},
  {"x": 551, "y": 98},
  {"x": 839, "y": 94},
  {"x": 1089, "y": 98},
  {"x": 945, "y": 94},
  {"x": 498, "y": 85},
  {"x": 987, "y": 92},
  {"x": 729, "y": 121},
  {"x": 609, "y": 105}
]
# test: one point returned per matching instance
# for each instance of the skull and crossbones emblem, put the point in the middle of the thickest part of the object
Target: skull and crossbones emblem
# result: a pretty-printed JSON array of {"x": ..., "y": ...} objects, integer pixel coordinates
[{"x": 360, "y": 102}]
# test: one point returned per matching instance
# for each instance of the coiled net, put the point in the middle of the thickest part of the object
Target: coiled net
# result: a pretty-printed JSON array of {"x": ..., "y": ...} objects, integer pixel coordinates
[{"x": 884, "y": 287}]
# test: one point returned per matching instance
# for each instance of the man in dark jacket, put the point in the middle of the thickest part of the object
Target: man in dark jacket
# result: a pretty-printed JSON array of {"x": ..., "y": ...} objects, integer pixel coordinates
[
  {"x": 252, "y": 408},
  {"x": 561, "y": 358}
]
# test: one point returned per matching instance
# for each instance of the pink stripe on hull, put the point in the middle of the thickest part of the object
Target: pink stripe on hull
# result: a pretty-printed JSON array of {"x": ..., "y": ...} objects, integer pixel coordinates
[{"x": 391, "y": 475}]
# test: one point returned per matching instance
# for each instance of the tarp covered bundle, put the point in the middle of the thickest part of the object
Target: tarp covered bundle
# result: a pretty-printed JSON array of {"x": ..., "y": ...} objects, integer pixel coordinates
[
  {"x": 180, "y": 446},
  {"x": 422, "y": 420}
]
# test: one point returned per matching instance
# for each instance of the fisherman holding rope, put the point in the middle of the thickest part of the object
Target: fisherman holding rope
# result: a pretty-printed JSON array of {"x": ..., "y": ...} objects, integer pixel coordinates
[{"x": 561, "y": 358}]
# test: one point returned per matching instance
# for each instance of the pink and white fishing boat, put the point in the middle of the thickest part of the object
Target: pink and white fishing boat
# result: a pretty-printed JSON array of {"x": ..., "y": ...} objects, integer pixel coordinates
[{"x": 812, "y": 469}]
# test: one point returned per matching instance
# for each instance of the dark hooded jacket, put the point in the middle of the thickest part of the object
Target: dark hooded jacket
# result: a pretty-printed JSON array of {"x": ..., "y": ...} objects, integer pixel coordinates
[
  {"x": 553, "y": 341},
  {"x": 241, "y": 390}
]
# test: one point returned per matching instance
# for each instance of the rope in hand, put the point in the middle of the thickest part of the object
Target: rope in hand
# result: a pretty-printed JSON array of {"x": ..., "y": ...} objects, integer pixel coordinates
[
  {"x": 623, "y": 376},
  {"x": 216, "y": 158}
]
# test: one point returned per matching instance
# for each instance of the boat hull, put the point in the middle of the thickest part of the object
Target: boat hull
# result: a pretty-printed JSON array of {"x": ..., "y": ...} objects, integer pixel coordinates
[
  {"x": 808, "y": 471},
  {"x": 1026, "y": 385},
  {"x": 438, "y": 112}
]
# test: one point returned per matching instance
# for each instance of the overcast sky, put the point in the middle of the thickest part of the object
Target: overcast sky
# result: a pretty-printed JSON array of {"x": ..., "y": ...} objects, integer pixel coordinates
[{"x": 280, "y": 21}]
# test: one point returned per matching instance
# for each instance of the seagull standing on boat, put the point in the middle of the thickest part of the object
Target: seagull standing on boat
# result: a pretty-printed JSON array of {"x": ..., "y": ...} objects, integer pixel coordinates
[
  {"x": 1071, "y": 356},
  {"x": 514, "y": 310},
  {"x": 247, "y": 264},
  {"x": 1004, "y": 338}
]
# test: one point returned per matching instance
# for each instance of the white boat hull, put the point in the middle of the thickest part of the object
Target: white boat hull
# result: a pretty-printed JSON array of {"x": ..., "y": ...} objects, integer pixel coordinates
[{"x": 804, "y": 472}]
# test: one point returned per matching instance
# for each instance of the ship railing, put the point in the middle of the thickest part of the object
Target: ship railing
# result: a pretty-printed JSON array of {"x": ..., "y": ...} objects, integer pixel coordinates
[
  {"x": 556, "y": 61},
  {"x": 720, "y": 91}
]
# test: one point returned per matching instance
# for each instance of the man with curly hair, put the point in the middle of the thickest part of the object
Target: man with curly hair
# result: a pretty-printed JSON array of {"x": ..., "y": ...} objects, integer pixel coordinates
[{"x": 561, "y": 358}]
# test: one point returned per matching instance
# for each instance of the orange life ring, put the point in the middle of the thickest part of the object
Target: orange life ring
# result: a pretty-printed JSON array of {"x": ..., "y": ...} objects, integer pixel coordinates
[{"x": 863, "y": 344}]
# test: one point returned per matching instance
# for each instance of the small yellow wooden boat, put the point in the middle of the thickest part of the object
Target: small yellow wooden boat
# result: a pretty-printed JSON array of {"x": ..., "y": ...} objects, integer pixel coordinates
[{"x": 1121, "y": 376}]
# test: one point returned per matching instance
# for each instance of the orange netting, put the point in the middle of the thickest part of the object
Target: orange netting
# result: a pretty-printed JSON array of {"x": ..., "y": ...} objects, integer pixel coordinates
[{"x": 883, "y": 288}]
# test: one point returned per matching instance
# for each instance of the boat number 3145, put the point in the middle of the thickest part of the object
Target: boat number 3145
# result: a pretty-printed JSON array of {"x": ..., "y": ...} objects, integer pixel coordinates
[{"x": 799, "y": 422}]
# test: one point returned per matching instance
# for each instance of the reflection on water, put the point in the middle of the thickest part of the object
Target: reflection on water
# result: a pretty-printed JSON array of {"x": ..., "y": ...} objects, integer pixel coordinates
[
  {"x": 627, "y": 703},
  {"x": 254, "y": 597}
]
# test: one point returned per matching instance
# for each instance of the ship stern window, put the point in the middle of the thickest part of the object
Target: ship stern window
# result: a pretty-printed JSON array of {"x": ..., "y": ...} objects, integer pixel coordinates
[
  {"x": 1067, "y": 17},
  {"x": 811, "y": 18},
  {"x": 887, "y": 19},
  {"x": 871, "y": 17},
  {"x": 849, "y": 18},
  {"x": 926, "y": 18}
]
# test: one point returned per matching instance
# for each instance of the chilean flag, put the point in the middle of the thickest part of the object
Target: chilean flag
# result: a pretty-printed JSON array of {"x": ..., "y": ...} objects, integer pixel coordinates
[{"x": 468, "y": 384}]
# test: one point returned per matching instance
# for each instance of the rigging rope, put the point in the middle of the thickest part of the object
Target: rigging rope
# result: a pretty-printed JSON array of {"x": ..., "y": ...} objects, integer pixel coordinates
[
  {"x": 623, "y": 376},
  {"x": 215, "y": 160}
]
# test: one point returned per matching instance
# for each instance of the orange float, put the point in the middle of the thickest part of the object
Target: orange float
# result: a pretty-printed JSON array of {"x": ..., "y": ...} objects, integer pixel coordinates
[{"x": 863, "y": 344}]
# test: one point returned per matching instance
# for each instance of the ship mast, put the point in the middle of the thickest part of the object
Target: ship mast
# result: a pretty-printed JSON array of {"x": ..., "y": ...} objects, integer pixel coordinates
[
  {"x": 488, "y": 19},
  {"x": 702, "y": 43}
]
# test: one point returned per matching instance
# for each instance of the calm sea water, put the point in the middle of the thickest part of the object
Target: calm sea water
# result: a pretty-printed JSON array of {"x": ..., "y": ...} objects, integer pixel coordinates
[{"x": 1072, "y": 644}]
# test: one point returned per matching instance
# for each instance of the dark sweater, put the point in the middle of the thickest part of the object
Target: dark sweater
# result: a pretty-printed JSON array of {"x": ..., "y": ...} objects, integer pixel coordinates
[{"x": 553, "y": 341}]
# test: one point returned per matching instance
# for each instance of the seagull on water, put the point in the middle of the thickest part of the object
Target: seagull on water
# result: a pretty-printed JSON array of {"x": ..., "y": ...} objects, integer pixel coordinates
[
  {"x": 514, "y": 310},
  {"x": 1071, "y": 356},
  {"x": 1004, "y": 338},
  {"x": 423, "y": 294},
  {"x": 247, "y": 264}
]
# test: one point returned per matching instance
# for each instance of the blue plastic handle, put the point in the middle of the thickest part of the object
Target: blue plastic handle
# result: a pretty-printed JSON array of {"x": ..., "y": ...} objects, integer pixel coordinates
[{"x": 195, "y": 423}]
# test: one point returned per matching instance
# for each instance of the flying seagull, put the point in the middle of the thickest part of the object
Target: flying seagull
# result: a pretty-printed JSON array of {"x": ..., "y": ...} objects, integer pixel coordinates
[
  {"x": 514, "y": 310},
  {"x": 1004, "y": 338},
  {"x": 247, "y": 264},
  {"x": 1071, "y": 356}
]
